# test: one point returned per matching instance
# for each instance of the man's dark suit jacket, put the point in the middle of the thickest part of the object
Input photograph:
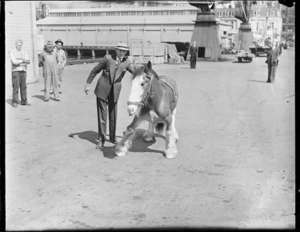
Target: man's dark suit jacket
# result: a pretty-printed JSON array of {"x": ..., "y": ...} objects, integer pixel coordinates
[
  {"x": 111, "y": 77},
  {"x": 193, "y": 50},
  {"x": 272, "y": 56}
]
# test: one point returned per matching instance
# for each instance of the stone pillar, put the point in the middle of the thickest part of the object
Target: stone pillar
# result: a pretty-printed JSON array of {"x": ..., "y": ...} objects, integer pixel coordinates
[
  {"x": 93, "y": 54},
  {"x": 245, "y": 36},
  {"x": 206, "y": 36}
]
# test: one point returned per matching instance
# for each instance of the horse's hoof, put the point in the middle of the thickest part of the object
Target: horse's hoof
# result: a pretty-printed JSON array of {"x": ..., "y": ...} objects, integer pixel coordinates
[
  {"x": 120, "y": 154},
  {"x": 120, "y": 151},
  {"x": 171, "y": 154},
  {"x": 148, "y": 139}
]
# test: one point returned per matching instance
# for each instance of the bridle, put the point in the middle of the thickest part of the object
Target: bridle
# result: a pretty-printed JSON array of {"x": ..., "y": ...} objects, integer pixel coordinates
[{"x": 148, "y": 93}]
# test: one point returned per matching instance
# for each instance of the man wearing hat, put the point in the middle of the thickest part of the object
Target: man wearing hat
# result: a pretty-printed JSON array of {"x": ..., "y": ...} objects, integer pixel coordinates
[
  {"x": 49, "y": 60},
  {"x": 61, "y": 63},
  {"x": 108, "y": 89}
]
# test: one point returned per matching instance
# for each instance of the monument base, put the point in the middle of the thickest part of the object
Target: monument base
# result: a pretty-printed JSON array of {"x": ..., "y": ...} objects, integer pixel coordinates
[{"x": 206, "y": 36}]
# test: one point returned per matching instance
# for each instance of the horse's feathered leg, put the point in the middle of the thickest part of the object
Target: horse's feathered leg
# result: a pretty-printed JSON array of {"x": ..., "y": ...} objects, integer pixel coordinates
[
  {"x": 149, "y": 134},
  {"x": 125, "y": 144},
  {"x": 173, "y": 126},
  {"x": 171, "y": 151}
]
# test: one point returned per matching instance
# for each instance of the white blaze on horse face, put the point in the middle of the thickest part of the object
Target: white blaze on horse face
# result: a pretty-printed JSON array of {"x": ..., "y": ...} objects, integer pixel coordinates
[{"x": 136, "y": 93}]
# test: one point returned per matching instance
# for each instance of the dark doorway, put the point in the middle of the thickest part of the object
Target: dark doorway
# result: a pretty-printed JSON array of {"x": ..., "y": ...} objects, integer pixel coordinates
[{"x": 201, "y": 52}]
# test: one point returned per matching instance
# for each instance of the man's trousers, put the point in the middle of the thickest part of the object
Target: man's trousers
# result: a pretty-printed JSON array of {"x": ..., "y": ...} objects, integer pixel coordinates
[
  {"x": 193, "y": 61},
  {"x": 19, "y": 82},
  {"x": 102, "y": 107},
  {"x": 50, "y": 76},
  {"x": 271, "y": 73}
]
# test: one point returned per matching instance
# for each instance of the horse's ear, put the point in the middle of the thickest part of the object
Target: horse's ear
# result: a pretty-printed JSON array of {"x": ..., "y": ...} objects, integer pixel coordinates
[{"x": 149, "y": 65}]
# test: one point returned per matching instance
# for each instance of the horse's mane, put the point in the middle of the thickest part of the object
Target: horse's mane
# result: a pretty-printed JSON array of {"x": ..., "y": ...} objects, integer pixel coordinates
[{"x": 144, "y": 69}]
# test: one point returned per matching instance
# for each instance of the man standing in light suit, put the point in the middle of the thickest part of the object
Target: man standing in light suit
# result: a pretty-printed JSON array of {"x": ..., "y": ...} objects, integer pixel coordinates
[
  {"x": 19, "y": 62},
  {"x": 108, "y": 89}
]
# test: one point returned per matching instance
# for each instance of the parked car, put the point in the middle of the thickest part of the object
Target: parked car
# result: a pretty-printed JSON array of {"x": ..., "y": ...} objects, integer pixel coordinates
[
  {"x": 243, "y": 55},
  {"x": 227, "y": 51},
  {"x": 290, "y": 44},
  {"x": 284, "y": 45},
  {"x": 259, "y": 50}
]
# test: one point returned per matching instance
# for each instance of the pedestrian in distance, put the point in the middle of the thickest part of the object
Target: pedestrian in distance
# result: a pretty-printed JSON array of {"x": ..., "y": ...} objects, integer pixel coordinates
[
  {"x": 49, "y": 60},
  {"x": 19, "y": 61},
  {"x": 61, "y": 63},
  {"x": 272, "y": 61},
  {"x": 108, "y": 89},
  {"x": 193, "y": 53}
]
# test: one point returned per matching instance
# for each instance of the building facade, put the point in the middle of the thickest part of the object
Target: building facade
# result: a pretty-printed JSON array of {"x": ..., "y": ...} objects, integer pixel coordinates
[
  {"x": 102, "y": 26},
  {"x": 266, "y": 21},
  {"x": 20, "y": 23},
  {"x": 225, "y": 12},
  {"x": 107, "y": 26},
  {"x": 288, "y": 22}
]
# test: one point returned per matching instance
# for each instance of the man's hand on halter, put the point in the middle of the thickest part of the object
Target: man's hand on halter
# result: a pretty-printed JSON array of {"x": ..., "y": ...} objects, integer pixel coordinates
[{"x": 87, "y": 88}]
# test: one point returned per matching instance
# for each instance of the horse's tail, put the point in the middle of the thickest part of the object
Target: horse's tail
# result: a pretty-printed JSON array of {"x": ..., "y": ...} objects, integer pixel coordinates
[{"x": 160, "y": 127}]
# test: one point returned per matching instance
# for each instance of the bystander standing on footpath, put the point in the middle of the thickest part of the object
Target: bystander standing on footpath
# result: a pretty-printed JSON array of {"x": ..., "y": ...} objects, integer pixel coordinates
[
  {"x": 19, "y": 60},
  {"x": 61, "y": 62},
  {"x": 49, "y": 60},
  {"x": 193, "y": 53}
]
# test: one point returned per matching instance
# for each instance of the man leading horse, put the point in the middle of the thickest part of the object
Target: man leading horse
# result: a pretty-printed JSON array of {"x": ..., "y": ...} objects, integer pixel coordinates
[{"x": 108, "y": 89}]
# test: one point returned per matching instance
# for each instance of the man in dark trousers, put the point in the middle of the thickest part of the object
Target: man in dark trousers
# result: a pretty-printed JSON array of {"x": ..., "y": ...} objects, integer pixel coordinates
[
  {"x": 193, "y": 53},
  {"x": 272, "y": 61},
  {"x": 108, "y": 89}
]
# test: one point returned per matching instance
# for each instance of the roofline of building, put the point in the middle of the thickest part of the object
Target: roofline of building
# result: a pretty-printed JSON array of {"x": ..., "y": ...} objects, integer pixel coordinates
[{"x": 113, "y": 9}]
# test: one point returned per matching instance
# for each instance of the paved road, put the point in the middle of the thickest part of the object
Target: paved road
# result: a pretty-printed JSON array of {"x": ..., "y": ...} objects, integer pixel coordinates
[{"x": 235, "y": 166}]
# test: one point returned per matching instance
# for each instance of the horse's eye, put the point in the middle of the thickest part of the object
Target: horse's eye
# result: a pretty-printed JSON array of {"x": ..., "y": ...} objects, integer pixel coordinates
[{"x": 143, "y": 83}]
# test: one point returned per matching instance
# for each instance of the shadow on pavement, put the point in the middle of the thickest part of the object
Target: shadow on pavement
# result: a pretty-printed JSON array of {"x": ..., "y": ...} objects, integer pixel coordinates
[
  {"x": 8, "y": 101},
  {"x": 109, "y": 152},
  {"x": 259, "y": 81},
  {"x": 139, "y": 145},
  {"x": 185, "y": 68},
  {"x": 91, "y": 136},
  {"x": 41, "y": 97}
]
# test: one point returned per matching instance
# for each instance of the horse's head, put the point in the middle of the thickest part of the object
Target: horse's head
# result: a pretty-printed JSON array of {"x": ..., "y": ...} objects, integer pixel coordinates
[{"x": 140, "y": 87}]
